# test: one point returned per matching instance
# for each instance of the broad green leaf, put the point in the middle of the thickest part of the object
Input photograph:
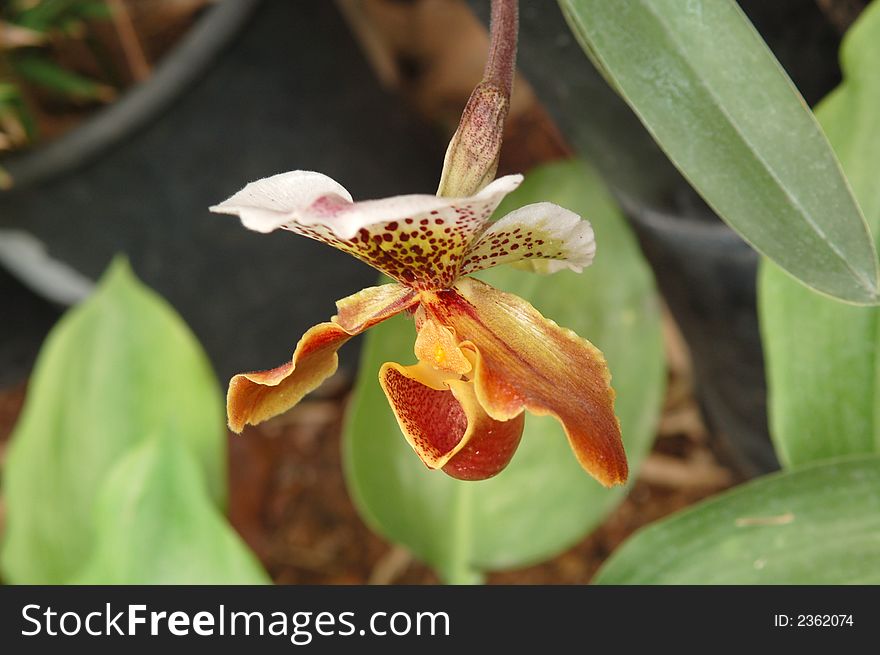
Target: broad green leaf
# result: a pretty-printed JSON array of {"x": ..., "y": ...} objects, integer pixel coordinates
[
  {"x": 823, "y": 362},
  {"x": 115, "y": 369},
  {"x": 156, "y": 524},
  {"x": 543, "y": 501},
  {"x": 718, "y": 103},
  {"x": 816, "y": 525}
]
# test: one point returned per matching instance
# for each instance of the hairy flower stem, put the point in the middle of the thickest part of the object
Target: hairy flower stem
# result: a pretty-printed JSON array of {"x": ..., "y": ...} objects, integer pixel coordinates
[
  {"x": 504, "y": 26},
  {"x": 472, "y": 157}
]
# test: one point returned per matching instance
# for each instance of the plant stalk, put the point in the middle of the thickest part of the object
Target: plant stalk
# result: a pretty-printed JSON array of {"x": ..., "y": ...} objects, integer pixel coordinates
[
  {"x": 472, "y": 157},
  {"x": 503, "y": 27}
]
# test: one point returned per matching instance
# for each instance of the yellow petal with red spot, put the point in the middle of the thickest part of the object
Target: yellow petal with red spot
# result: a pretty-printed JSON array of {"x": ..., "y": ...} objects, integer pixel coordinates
[
  {"x": 448, "y": 428},
  {"x": 258, "y": 396},
  {"x": 525, "y": 361}
]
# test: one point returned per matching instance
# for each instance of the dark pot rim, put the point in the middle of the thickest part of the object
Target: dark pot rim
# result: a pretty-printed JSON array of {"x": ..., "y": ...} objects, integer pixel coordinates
[
  {"x": 708, "y": 230},
  {"x": 189, "y": 58}
]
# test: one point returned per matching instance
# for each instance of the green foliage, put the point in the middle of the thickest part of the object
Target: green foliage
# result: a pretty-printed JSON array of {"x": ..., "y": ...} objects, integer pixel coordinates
[
  {"x": 156, "y": 524},
  {"x": 46, "y": 15},
  {"x": 544, "y": 501},
  {"x": 8, "y": 93},
  {"x": 31, "y": 63},
  {"x": 114, "y": 371},
  {"x": 44, "y": 73},
  {"x": 13, "y": 108},
  {"x": 823, "y": 358},
  {"x": 718, "y": 103},
  {"x": 817, "y": 525}
]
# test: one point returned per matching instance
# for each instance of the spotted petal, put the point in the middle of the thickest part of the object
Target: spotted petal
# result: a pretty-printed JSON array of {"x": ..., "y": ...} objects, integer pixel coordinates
[
  {"x": 419, "y": 240},
  {"x": 447, "y": 427},
  {"x": 525, "y": 361},
  {"x": 542, "y": 237},
  {"x": 258, "y": 396}
]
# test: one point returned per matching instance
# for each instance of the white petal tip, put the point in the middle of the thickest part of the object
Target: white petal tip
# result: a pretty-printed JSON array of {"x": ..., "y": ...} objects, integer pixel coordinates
[{"x": 272, "y": 202}]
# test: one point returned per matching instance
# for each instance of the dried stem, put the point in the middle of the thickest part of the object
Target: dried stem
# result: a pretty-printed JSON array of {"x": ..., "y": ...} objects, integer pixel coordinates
[{"x": 131, "y": 45}]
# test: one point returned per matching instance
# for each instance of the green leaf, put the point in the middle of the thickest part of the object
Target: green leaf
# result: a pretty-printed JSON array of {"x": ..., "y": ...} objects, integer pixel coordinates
[
  {"x": 93, "y": 10},
  {"x": 49, "y": 75},
  {"x": 718, "y": 103},
  {"x": 45, "y": 15},
  {"x": 543, "y": 502},
  {"x": 823, "y": 362},
  {"x": 115, "y": 369},
  {"x": 14, "y": 108},
  {"x": 9, "y": 93},
  {"x": 156, "y": 524},
  {"x": 817, "y": 525}
]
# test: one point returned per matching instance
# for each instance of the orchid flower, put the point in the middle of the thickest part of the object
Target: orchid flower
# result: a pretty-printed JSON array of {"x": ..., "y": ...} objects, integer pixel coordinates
[{"x": 483, "y": 356}]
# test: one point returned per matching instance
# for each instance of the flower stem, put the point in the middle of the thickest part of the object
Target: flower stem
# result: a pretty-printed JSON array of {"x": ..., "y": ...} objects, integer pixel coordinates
[
  {"x": 504, "y": 27},
  {"x": 458, "y": 569},
  {"x": 472, "y": 157}
]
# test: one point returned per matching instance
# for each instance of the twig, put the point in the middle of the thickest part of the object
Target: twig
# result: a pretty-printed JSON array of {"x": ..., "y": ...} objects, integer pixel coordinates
[
  {"x": 685, "y": 421},
  {"x": 15, "y": 36},
  {"x": 390, "y": 567},
  {"x": 376, "y": 48},
  {"x": 128, "y": 38},
  {"x": 12, "y": 129},
  {"x": 674, "y": 473}
]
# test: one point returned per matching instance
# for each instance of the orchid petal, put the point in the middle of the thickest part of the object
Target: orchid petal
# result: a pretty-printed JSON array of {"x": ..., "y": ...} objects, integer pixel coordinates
[
  {"x": 258, "y": 396},
  {"x": 542, "y": 237},
  {"x": 525, "y": 361},
  {"x": 437, "y": 347},
  {"x": 272, "y": 202},
  {"x": 448, "y": 428},
  {"x": 419, "y": 240}
]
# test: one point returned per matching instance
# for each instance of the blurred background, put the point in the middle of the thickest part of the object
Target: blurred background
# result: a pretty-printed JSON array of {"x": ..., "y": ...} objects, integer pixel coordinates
[{"x": 121, "y": 121}]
